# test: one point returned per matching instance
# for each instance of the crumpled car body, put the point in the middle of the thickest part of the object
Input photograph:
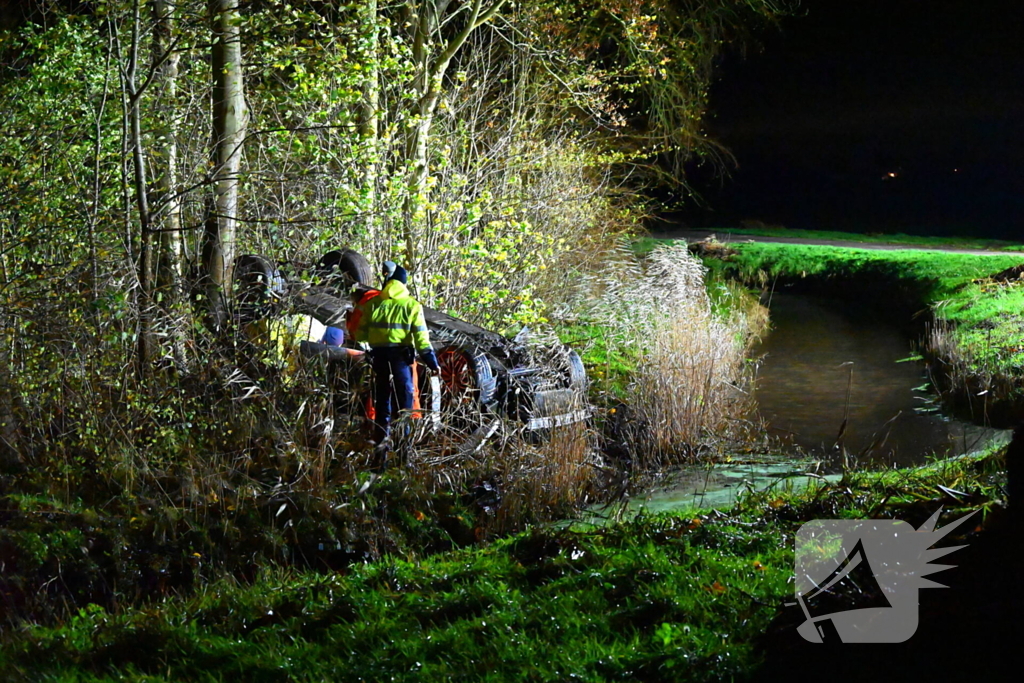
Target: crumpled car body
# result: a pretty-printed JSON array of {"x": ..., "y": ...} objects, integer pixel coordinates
[{"x": 483, "y": 374}]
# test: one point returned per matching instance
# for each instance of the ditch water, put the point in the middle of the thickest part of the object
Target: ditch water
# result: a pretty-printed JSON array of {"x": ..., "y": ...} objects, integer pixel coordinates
[{"x": 823, "y": 364}]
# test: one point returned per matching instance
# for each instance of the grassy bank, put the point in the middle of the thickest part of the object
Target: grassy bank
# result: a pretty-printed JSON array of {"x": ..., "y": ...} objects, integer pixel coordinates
[
  {"x": 917, "y": 241},
  {"x": 661, "y": 598},
  {"x": 143, "y": 496},
  {"x": 970, "y": 318}
]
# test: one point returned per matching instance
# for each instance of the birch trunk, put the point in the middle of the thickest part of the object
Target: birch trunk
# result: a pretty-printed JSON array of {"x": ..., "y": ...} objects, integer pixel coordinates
[
  {"x": 369, "y": 126},
  {"x": 168, "y": 218},
  {"x": 433, "y": 55},
  {"x": 229, "y": 126}
]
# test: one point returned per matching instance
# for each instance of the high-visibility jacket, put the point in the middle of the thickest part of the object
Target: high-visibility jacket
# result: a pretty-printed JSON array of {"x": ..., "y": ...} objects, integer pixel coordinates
[
  {"x": 277, "y": 338},
  {"x": 356, "y": 314},
  {"x": 394, "y": 319}
]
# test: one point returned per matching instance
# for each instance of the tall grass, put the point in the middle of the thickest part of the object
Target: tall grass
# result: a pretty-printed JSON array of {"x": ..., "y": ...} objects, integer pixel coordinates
[
  {"x": 687, "y": 386},
  {"x": 513, "y": 476},
  {"x": 685, "y": 396}
]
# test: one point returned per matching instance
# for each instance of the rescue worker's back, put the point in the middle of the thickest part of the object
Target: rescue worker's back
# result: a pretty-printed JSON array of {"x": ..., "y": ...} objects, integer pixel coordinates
[
  {"x": 395, "y": 329},
  {"x": 394, "y": 318}
]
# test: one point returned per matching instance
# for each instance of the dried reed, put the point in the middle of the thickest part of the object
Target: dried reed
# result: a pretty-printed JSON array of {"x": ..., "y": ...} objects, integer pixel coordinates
[{"x": 686, "y": 394}]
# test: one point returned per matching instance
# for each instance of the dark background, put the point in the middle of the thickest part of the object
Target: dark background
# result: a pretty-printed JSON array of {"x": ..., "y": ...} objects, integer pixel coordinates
[
  {"x": 836, "y": 99},
  {"x": 826, "y": 106}
]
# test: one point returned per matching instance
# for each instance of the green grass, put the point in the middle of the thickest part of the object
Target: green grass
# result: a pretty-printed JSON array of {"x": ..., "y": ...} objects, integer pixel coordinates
[
  {"x": 654, "y": 599},
  {"x": 986, "y": 318},
  {"x": 942, "y": 272},
  {"x": 877, "y": 238},
  {"x": 663, "y": 598},
  {"x": 989, "y": 319}
]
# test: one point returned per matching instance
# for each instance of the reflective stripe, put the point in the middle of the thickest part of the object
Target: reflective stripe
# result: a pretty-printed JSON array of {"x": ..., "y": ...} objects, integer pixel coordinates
[
  {"x": 396, "y": 345},
  {"x": 557, "y": 420},
  {"x": 394, "y": 319},
  {"x": 399, "y": 326},
  {"x": 390, "y": 326}
]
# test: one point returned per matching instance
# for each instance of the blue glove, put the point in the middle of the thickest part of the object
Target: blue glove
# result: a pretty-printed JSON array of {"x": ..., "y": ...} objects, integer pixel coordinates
[{"x": 429, "y": 358}]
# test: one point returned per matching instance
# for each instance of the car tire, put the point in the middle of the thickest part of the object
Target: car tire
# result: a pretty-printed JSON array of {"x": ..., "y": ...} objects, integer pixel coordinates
[
  {"x": 254, "y": 277},
  {"x": 348, "y": 262},
  {"x": 576, "y": 373},
  {"x": 466, "y": 379}
]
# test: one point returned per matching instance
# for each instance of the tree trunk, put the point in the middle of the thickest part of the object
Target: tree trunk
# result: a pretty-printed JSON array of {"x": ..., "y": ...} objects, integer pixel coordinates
[
  {"x": 168, "y": 215},
  {"x": 418, "y": 173},
  {"x": 146, "y": 340},
  {"x": 368, "y": 122},
  {"x": 167, "y": 218},
  {"x": 429, "y": 82},
  {"x": 229, "y": 124}
]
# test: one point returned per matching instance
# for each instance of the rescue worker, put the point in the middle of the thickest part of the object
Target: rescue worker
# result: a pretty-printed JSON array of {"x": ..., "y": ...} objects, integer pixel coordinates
[
  {"x": 360, "y": 302},
  {"x": 276, "y": 339},
  {"x": 393, "y": 326}
]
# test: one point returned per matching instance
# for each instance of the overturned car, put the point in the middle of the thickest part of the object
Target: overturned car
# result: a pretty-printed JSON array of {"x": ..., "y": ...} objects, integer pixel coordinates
[{"x": 484, "y": 375}]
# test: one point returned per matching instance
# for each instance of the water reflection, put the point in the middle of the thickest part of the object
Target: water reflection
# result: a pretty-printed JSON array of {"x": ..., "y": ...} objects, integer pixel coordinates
[{"x": 825, "y": 365}]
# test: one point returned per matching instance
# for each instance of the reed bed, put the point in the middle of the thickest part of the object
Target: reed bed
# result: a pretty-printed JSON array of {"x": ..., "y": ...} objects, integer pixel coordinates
[{"x": 686, "y": 395}]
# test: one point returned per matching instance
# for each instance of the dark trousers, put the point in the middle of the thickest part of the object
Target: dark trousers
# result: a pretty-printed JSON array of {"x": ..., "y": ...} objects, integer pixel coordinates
[{"x": 392, "y": 373}]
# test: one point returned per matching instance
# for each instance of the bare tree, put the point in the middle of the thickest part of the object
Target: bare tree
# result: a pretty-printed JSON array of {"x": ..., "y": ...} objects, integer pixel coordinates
[
  {"x": 439, "y": 29},
  {"x": 168, "y": 203}
]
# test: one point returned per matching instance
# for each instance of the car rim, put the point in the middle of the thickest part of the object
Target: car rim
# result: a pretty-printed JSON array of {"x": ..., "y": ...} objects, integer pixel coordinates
[{"x": 456, "y": 378}]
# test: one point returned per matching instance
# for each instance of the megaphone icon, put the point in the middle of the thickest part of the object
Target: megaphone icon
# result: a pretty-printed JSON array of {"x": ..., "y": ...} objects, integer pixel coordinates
[{"x": 823, "y": 600}]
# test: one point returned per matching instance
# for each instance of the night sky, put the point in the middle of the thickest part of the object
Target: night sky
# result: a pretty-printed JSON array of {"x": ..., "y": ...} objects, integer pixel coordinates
[{"x": 876, "y": 116}]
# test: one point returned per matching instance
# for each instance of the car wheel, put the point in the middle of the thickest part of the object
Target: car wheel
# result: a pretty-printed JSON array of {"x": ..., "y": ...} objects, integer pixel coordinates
[
  {"x": 467, "y": 382},
  {"x": 255, "y": 280},
  {"x": 347, "y": 262}
]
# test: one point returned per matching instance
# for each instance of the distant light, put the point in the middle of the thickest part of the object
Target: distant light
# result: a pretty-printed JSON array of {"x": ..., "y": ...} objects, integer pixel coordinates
[
  {"x": 891, "y": 174},
  {"x": 956, "y": 170}
]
